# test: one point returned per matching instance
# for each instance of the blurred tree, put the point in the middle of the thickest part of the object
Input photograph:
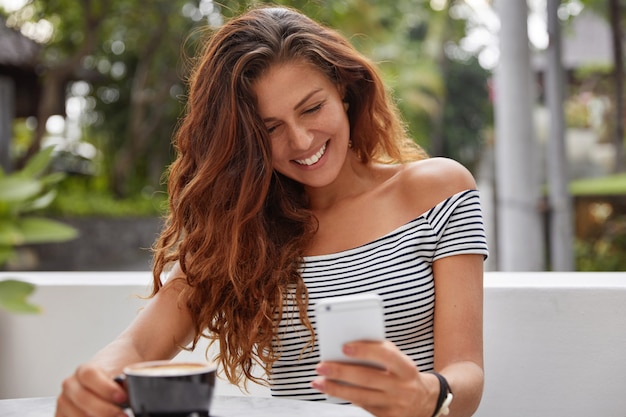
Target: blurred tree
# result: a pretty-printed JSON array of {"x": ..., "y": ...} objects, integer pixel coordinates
[
  {"x": 77, "y": 26},
  {"x": 141, "y": 61},
  {"x": 126, "y": 59},
  {"x": 467, "y": 112},
  {"x": 128, "y": 52},
  {"x": 459, "y": 127}
]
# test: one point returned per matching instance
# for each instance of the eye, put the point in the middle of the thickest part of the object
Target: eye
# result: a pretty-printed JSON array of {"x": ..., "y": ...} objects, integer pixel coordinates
[
  {"x": 314, "y": 109},
  {"x": 273, "y": 129}
]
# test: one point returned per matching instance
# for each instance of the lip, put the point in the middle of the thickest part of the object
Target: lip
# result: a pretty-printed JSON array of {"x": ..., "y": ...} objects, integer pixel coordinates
[{"x": 323, "y": 150}]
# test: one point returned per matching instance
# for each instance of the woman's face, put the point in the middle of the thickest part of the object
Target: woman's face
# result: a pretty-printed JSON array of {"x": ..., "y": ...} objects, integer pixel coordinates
[{"x": 306, "y": 120}]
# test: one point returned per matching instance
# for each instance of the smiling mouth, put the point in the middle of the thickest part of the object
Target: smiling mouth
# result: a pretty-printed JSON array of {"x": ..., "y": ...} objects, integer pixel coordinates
[{"x": 313, "y": 159}]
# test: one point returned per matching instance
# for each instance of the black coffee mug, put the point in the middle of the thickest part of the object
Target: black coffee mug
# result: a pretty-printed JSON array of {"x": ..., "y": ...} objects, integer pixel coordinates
[{"x": 169, "y": 389}]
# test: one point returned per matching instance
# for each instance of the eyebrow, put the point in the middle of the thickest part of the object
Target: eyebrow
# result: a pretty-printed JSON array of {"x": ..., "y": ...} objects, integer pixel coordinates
[{"x": 299, "y": 104}]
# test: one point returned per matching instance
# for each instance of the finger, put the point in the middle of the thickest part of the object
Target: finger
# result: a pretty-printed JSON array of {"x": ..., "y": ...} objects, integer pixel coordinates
[
  {"x": 81, "y": 401},
  {"x": 357, "y": 395},
  {"x": 97, "y": 381},
  {"x": 377, "y": 402},
  {"x": 384, "y": 353},
  {"x": 359, "y": 375},
  {"x": 66, "y": 408}
]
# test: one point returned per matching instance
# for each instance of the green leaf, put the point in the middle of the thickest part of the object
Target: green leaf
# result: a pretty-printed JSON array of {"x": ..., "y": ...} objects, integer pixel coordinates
[
  {"x": 18, "y": 188},
  {"x": 6, "y": 210},
  {"x": 52, "y": 179},
  {"x": 40, "y": 230},
  {"x": 10, "y": 235},
  {"x": 39, "y": 203},
  {"x": 31, "y": 230},
  {"x": 38, "y": 163},
  {"x": 6, "y": 252},
  {"x": 14, "y": 294}
]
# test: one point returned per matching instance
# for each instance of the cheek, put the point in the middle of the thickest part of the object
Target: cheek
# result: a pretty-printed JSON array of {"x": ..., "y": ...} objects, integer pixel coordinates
[
  {"x": 340, "y": 125},
  {"x": 278, "y": 155},
  {"x": 338, "y": 119}
]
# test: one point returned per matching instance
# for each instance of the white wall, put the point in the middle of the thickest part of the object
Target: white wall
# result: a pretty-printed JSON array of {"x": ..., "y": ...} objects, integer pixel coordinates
[
  {"x": 555, "y": 343},
  {"x": 82, "y": 311}
]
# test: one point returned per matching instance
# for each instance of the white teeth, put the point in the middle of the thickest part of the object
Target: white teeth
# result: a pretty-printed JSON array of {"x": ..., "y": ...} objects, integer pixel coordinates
[{"x": 312, "y": 160}]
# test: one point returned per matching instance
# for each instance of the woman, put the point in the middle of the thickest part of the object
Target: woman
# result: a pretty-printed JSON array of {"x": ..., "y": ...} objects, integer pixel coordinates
[{"x": 295, "y": 180}]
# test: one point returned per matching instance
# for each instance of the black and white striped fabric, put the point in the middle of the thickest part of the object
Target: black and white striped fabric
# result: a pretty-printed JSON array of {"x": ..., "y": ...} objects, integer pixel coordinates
[{"x": 398, "y": 267}]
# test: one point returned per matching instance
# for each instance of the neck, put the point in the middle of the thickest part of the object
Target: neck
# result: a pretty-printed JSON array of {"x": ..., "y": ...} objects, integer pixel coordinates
[{"x": 354, "y": 179}]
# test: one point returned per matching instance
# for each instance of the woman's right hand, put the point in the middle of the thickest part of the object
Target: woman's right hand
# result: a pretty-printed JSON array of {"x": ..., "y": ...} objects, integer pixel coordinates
[
  {"x": 157, "y": 332},
  {"x": 92, "y": 392}
]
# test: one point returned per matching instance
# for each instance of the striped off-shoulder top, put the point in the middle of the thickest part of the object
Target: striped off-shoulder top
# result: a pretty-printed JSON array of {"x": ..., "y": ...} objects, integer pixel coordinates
[{"x": 398, "y": 267}]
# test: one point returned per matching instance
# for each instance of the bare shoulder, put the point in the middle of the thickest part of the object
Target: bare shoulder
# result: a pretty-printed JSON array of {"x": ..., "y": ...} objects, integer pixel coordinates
[
  {"x": 427, "y": 182},
  {"x": 440, "y": 172}
]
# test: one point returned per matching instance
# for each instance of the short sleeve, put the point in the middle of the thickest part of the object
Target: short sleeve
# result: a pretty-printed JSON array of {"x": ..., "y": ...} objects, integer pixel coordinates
[{"x": 458, "y": 225}]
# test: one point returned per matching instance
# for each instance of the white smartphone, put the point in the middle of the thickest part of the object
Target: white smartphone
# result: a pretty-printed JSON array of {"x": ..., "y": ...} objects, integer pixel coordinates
[{"x": 349, "y": 318}]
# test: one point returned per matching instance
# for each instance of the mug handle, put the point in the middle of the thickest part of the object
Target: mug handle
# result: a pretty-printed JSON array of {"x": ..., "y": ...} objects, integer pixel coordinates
[{"x": 121, "y": 381}]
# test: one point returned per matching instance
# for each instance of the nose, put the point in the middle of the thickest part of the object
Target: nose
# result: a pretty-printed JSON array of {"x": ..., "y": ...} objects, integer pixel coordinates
[{"x": 300, "y": 136}]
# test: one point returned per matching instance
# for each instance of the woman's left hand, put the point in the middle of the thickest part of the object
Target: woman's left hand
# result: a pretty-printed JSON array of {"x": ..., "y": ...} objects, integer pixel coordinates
[{"x": 398, "y": 390}]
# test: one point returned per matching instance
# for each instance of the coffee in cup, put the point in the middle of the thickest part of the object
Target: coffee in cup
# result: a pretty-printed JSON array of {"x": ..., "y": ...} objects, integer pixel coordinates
[{"x": 170, "y": 389}]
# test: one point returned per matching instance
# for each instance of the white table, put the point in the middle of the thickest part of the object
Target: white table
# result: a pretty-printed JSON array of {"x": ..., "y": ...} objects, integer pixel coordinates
[{"x": 223, "y": 406}]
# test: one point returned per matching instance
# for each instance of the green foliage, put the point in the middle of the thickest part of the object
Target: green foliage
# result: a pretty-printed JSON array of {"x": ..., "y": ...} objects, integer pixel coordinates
[
  {"x": 132, "y": 62},
  {"x": 590, "y": 71},
  {"x": 467, "y": 113},
  {"x": 14, "y": 296},
  {"x": 606, "y": 251},
  {"x": 576, "y": 114},
  {"x": 611, "y": 185},
  {"x": 82, "y": 197},
  {"x": 141, "y": 70},
  {"x": 21, "y": 194}
]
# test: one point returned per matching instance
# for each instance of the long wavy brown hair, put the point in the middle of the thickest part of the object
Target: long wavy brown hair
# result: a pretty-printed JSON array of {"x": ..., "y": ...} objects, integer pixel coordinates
[{"x": 238, "y": 229}]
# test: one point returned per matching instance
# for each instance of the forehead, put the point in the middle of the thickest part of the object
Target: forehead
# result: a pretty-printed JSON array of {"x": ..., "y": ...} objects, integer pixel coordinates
[{"x": 287, "y": 83}]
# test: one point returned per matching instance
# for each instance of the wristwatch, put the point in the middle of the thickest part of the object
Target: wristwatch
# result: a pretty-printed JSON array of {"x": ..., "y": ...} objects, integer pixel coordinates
[{"x": 445, "y": 397}]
